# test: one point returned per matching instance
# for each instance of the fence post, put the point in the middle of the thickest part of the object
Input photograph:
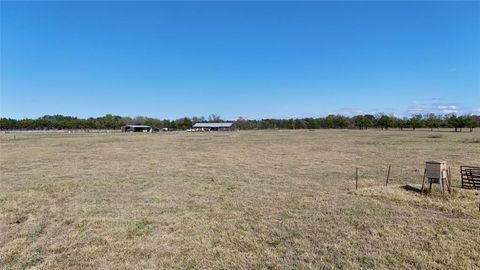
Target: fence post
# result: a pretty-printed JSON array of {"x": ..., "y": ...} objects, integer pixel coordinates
[
  {"x": 356, "y": 178},
  {"x": 388, "y": 175}
]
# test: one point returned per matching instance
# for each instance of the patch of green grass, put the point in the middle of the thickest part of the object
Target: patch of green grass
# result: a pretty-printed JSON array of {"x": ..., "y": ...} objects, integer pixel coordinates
[
  {"x": 37, "y": 232},
  {"x": 33, "y": 260},
  {"x": 140, "y": 228}
]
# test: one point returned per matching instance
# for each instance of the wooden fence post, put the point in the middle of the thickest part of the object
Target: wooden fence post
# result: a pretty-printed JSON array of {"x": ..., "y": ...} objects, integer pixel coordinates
[
  {"x": 388, "y": 175},
  {"x": 356, "y": 178}
]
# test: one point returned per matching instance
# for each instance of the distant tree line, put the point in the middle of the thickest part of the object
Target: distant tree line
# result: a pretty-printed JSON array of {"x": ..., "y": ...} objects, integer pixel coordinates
[
  {"x": 382, "y": 121},
  {"x": 366, "y": 121}
]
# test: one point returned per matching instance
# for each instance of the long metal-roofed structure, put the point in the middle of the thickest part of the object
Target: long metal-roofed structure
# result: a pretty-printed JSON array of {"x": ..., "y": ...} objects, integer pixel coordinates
[
  {"x": 137, "y": 128},
  {"x": 214, "y": 126}
]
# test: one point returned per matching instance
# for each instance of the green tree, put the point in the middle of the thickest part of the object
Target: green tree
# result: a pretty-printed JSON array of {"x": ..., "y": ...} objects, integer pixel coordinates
[
  {"x": 472, "y": 121},
  {"x": 415, "y": 121},
  {"x": 364, "y": 121},
  {"x": 401, "y": 123},
  {"x": 300, "y": 124},
  {"x": 461, "y": 122},
  {"x": 453, "y": 121},
  {"x": 384, "y": 122},
  {"x": 173, "y": 125},
  {"x": 341, "y": 122},
  {"x": 432, "y": 121},
  {"x": 184, "y": 123}
]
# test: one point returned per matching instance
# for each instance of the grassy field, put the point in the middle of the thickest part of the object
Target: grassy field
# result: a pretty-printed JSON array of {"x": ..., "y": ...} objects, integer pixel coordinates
[{"x": 239, "y": 200}]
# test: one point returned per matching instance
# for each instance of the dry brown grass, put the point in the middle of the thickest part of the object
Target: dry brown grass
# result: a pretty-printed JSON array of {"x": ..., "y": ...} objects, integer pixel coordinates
[
  {"x": 250, "y": 199},
  {"x": 435, "y": 136},
  {"x": 472, "y": 140}
]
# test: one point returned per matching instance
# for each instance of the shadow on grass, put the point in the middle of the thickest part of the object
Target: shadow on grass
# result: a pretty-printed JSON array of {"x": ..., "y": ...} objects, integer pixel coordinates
[{"x": 412, "y": 189}]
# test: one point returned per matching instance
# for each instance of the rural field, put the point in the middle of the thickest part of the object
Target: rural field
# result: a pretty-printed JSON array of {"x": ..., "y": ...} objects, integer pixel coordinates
[{"x": 235, "y": 200}]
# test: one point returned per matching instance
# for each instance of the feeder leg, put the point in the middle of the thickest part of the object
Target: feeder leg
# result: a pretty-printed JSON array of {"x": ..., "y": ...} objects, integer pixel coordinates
[
  {"x": 449, "y": 182},
  {"x": 423, "y": 182},
  {"x": 442, "y": 184}
]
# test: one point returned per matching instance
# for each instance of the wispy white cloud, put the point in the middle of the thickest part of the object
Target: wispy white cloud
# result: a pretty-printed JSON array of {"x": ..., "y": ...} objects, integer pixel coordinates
[
  {"x": 447, "y": 108},
  {"x": 417, "y": 108},
  {"x": 437, "y": 106},
  {"x": 351, "y": 111}
]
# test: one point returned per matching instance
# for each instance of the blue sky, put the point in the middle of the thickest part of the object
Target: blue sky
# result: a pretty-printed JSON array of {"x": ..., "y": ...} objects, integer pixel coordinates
[{"x": 249, "y": 59}]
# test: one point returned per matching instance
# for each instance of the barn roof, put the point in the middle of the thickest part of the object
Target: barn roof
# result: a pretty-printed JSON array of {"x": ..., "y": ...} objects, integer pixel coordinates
[
  {"x": 138, "y": 126},
  {"x": 213, "y": 125}
]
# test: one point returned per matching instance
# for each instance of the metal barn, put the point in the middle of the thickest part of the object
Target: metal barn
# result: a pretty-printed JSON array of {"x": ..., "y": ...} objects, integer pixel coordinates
[
  {"x": 214, "y": 126},
  {"x": 137, "y": 128}
]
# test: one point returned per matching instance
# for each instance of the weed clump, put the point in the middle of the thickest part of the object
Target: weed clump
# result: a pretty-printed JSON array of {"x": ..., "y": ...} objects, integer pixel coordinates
[{"x": 140, "y": 228}]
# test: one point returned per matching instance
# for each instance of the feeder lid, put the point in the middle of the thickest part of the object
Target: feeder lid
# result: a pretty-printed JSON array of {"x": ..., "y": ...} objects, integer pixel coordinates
[{"x": 436, "y": 161}]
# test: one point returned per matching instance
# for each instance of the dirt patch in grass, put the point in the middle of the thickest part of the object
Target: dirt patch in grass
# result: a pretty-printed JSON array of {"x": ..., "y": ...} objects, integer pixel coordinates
[
  {"x": 472, "y": 140},
  {"x": 435, "y": 136}
]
